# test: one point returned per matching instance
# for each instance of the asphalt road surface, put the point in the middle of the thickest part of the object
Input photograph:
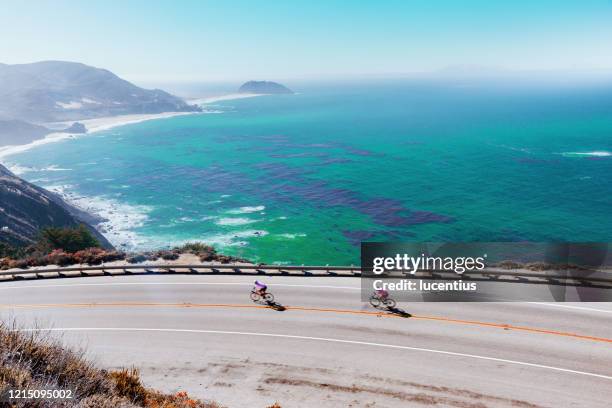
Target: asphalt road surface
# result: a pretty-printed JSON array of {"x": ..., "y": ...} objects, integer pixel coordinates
[{"x": 326, "y": 348}]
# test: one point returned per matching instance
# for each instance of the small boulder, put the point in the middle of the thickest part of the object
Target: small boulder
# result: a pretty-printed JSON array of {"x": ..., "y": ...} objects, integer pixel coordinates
[{"x": 76, "y": 127}]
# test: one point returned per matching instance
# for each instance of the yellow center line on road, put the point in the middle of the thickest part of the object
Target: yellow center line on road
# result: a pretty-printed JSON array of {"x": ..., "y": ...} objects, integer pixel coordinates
[{"x": 311, "y": 309}]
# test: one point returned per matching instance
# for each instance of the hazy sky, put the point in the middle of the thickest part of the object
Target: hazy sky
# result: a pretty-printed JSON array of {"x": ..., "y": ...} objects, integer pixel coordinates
[{"x": 239, "y": 40}]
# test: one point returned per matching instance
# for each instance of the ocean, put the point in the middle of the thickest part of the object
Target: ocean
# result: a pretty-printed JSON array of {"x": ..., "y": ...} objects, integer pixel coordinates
[{"x": 304, "y": 178}]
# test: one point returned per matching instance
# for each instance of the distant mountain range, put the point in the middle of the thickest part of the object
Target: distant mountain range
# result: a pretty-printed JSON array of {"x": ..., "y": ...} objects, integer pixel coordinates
[
  {"x": 57, "y": 91},
  {"x": 25, "y": 209},
  {"x": 53, "y": 91},
  {"x": 264, "y": 87}
]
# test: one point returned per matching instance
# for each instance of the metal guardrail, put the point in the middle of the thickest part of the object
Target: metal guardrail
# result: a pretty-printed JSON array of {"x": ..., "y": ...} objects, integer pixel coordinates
[
  {"x": 600, "y": 279},
  {"x": 204, "y": 269}
]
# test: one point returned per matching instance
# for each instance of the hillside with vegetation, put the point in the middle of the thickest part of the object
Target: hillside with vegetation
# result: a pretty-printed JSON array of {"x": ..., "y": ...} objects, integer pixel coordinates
[
  {"x": 33, "y": 360},
  {"x": 26, "y": 209},
  {"x": 78, "y": 246}
]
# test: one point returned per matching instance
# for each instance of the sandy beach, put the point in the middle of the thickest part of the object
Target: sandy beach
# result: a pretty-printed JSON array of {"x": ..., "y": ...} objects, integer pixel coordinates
[
  {"x": 228, "y": 97},
  {"x": 106, "y": 123},
  {"x": 93, "y": 125}
]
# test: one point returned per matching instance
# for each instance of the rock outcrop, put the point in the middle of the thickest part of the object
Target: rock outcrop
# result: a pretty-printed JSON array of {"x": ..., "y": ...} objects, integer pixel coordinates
[
  {"x": 75, "y": 128},
  {"x": 264, "y": 88},
  {"x": 25, "y": 209}
]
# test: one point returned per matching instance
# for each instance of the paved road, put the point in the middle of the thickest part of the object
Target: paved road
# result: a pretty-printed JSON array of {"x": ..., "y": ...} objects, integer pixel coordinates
[{"x": 327, "y": 349}]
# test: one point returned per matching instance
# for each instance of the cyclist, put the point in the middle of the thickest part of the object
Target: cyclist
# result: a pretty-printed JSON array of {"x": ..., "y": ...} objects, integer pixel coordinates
[
  {"x": 382, "y": 294},
  {"x": 260, "y": 288}
]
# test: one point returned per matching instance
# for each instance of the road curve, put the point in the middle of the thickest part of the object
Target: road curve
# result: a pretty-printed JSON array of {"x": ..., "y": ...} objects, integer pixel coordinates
[{"x": 326, "y": 348}]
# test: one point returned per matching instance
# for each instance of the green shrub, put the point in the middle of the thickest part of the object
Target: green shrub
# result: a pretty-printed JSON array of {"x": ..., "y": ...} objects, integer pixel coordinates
[
  {"x": 136, "y": 258},
  {"x": 195, "y": 248},
  {"x": 168, "y": 255},
  {"x": 9, "y": 251},
  {"x": 67, "y": 239}
]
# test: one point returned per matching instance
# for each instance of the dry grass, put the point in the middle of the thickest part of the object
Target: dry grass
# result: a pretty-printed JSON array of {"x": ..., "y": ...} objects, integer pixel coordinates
[{"x": 34, "y": 360}]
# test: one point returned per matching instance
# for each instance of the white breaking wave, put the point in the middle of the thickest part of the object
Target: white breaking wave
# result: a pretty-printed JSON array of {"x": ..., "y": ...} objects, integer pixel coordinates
[
  {"x": 50, "y": 138},
  {"x": 247, "y": 210},
  {"x": 53, "y": 167},
  {"x": 61, "y": 189},
  {"x": 598, "y": 153},
  {"x": 291, "y": 236},
  {"x": 234, "y": 239},
  {"x": 120, "y": 219},
  {"x": 18, "y": 169},
  {"x": 235, "y": 221}
]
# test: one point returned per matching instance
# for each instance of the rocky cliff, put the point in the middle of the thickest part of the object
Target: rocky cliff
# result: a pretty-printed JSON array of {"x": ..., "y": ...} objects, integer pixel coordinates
[{"x": 25, "y": 209}]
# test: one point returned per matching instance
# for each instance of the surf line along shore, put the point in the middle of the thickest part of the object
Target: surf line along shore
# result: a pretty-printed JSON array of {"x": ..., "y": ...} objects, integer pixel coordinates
[
  {"x": 93, "y": 126},
  {"x": 105, "y": 123}
]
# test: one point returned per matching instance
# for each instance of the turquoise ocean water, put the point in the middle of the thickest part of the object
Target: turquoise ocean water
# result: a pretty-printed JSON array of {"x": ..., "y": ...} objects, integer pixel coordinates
[{"x": 304, "y": 178}]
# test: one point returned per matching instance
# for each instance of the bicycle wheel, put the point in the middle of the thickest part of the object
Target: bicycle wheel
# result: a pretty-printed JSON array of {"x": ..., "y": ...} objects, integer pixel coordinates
[
  {"x": 390, "y": 303},
  {"x": 374, "y": 301},
  {"x": 269, "y": 297},
  {"x": 255, "y": 296}
]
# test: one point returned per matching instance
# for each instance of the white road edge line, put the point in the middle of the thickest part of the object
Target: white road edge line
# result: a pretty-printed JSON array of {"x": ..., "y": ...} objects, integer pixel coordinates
[
  {"x": 590, "y": 309},
  {"x": 330, "y": 340},
  {"x": 68, "y": 285}
]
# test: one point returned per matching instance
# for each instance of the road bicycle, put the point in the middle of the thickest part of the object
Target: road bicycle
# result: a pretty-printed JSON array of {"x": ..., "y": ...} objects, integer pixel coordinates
[
  {"x": 377, "y": 301},
  {"x": 256, "y": 296}
]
